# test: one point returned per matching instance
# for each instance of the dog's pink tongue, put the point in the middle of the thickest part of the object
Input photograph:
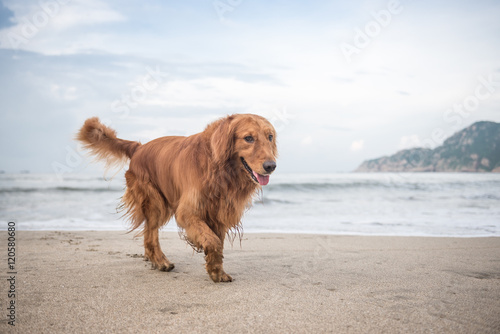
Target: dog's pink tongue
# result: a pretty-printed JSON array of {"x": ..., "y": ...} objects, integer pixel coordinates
[{"x": 263, "y": 179}]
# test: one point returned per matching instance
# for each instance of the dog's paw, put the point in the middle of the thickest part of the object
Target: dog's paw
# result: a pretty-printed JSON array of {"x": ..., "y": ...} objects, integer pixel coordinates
[
  {"x": 166, "y": 266},
  {"x": 215, "y": 276},
  {"x": 218, "y": 277},
  {"x": 226, "y": 278}
]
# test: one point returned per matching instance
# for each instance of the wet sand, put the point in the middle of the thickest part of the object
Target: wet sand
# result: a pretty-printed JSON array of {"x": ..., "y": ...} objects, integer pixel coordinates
[{"x": 97, "y": 282}]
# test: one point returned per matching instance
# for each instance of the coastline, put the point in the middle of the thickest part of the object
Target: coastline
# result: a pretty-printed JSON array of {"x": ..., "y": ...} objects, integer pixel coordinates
[{"x": 85, "y": 281}]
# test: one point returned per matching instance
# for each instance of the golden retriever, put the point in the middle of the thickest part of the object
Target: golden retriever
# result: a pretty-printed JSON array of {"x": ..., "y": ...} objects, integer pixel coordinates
[{"x": 205, "y": 180}]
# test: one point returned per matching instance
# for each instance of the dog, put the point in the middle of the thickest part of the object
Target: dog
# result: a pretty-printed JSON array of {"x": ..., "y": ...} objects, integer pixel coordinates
[{"x": 206, "y": 181}]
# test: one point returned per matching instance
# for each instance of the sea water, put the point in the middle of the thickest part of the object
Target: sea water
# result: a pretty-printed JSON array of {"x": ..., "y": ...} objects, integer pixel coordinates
[{"x": 406, "y": 204}]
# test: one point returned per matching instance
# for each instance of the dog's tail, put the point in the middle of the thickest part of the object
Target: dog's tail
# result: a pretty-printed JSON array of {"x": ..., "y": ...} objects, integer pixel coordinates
[{"x": 102, "y": 142}]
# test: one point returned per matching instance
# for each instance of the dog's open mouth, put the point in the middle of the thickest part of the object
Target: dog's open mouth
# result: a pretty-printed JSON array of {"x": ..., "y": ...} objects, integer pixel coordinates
[{"x": 256, "y": 177}]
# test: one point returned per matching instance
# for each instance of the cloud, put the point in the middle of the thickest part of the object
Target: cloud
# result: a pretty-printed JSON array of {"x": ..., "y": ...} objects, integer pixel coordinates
[
  {"x": 213, "y": 92},
  {"x": 357, "y": 145},
  {"x": 306, "y": 141},
  {"x": 49, "y": 27},
  {"x": 64, "y": 93},
  {"x": 411, "y": 141},
  {"x": 85, "y": 13},
  {"x": 285, "y": 65},
  {"x": 6, "y": 16}
]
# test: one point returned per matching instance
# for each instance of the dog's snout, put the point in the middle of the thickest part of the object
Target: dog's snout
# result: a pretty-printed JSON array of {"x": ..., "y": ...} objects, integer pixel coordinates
[{"x": 269, "y": 166}]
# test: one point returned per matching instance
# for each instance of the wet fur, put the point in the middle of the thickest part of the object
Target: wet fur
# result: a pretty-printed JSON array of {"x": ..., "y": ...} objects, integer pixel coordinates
[{"x": 199, "y": 179}]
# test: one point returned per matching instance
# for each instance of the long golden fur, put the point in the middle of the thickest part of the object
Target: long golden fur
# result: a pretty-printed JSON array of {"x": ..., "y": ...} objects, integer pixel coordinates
[{"x": 205, "y": 180}]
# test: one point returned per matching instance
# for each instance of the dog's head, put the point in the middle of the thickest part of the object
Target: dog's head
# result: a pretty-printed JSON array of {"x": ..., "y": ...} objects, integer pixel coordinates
[{"x": 249, "y": 141}]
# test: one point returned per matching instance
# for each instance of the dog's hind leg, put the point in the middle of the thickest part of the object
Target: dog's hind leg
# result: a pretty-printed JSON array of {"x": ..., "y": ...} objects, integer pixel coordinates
[
  {"x": 157, "y": 214},
  {"x": 148, "y": 209},
  {"x": 153, "y": 250}
]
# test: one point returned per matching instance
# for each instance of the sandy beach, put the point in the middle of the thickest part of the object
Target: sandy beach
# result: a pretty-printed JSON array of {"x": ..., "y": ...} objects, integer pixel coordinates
[{"x": 97, "y": 282}]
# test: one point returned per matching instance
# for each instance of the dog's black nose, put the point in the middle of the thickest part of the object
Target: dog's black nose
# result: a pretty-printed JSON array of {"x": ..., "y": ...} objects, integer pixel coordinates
[{"x": 269, "y": 166}]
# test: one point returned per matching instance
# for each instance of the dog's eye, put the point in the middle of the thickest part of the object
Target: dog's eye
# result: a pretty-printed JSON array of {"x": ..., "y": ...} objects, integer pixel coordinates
[
  {"x": 249, "y": 139},
  {"x": 271, "y": 137}
]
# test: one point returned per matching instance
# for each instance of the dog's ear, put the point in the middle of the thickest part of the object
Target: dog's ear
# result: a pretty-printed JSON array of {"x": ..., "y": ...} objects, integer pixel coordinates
[{"x": 222, "y": 140}]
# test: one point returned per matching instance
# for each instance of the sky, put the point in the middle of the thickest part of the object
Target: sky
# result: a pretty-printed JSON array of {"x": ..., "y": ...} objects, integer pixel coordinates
[{"x": 341, "y": 81}]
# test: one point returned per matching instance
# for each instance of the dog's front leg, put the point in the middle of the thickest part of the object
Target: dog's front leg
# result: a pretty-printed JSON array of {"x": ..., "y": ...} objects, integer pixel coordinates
[
  {"x": 202, "y": 237},
  {"x": 221, "y": 234}
]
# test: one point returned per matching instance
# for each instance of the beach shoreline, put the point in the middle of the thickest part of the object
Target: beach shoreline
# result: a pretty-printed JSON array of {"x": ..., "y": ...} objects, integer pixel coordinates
[{"x": 97, "y": 281}]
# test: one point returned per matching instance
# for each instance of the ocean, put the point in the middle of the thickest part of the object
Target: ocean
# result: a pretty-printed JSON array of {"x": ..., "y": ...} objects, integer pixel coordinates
[{"x": 411, "y": 204}]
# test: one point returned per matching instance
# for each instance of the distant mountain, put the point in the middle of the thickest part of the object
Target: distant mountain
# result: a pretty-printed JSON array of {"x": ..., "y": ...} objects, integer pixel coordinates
[{"x": 473, "y": 149}]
